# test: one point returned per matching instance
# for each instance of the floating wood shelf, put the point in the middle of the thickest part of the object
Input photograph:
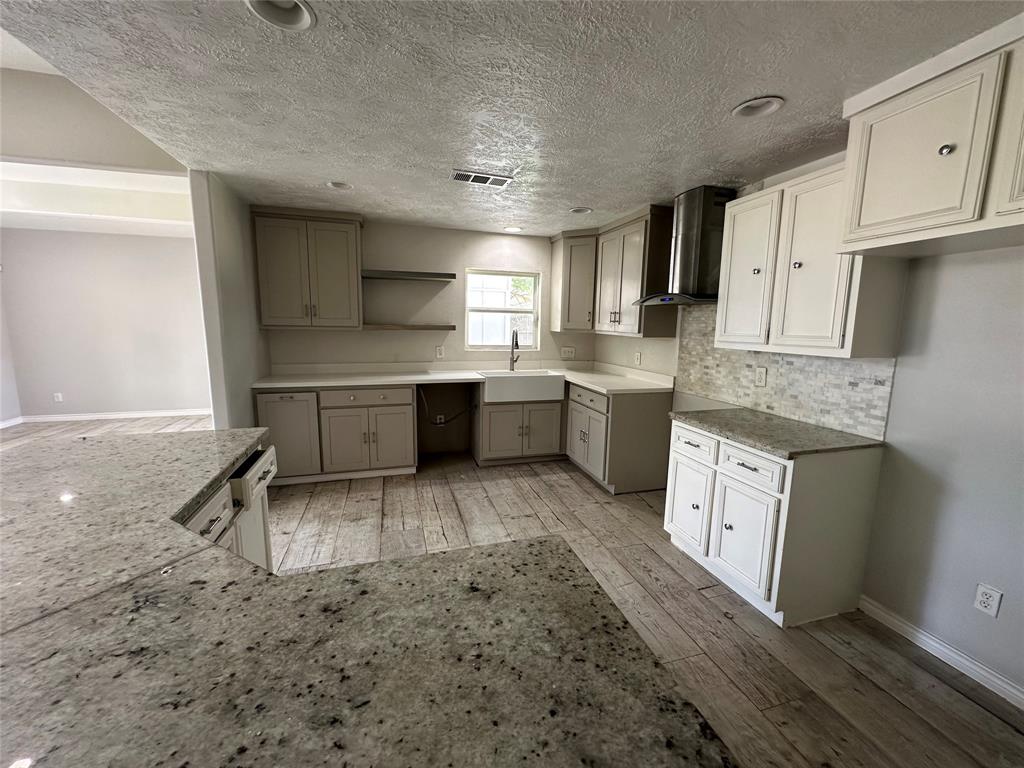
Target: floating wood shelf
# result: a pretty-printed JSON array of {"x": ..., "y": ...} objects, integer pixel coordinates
[
  {"x": 402, "y": 274},
  {"x": 409, "y": 326}
]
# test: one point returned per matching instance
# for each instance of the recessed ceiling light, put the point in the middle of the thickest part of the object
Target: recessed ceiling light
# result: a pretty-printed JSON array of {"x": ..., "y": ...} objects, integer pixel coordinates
[
  {"x": 513, "y": 230},
  {"x": 581, "y": 209},
  {"x": 292, "y": 15},
  {"x": 66, "y": 497},
  {"x": 342, "y": 185},
  {"x": 759, "y": 107}
]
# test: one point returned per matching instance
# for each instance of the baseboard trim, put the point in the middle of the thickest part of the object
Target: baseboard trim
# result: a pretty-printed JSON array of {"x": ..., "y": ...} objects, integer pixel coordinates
[
  {"x": 957, "y": 659},
  {"x": 12, "y": 422},
  {"x": 296, "y": 479},
  {"x": 116, "y": 415}
]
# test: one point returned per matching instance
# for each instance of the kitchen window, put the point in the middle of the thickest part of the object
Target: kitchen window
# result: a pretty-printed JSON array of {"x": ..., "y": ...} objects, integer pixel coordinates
[{"x": 498, "y": 303}]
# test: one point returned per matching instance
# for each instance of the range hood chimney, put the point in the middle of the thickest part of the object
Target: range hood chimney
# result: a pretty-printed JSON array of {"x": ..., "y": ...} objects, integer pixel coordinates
[{"x": 697, "y": 227}]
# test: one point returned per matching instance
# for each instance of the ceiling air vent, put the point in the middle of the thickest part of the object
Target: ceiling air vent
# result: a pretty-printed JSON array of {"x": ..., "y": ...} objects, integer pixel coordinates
[{"x": 481, "y": 179}]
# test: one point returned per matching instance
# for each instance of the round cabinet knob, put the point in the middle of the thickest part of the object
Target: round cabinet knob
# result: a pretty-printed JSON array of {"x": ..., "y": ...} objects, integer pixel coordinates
[
  {"x": 946, "y": 149},
  {"x": 728, "y": 526},
  {"x": 382, "y": 397},
  {"x": 695, "y": 506},
  {"x": 797, "y": 264},
  {"x": 351, "y": 397},
  {"x": 757, "y": 270}
]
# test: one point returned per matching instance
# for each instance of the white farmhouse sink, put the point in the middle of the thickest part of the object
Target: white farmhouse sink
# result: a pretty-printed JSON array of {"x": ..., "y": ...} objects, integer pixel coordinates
[{"x": 522, "y": 386}]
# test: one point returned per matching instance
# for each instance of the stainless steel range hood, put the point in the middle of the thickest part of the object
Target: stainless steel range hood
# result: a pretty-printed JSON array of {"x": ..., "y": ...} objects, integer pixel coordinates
[{"x": 697, "y": 228}]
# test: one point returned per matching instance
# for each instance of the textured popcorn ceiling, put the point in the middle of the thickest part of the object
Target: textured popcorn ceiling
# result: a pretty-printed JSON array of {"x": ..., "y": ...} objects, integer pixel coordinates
[{"x": 604, "y": 104}]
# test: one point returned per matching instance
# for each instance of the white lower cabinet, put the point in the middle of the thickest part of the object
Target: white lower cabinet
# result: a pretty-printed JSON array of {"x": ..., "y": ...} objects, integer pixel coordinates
[
  {"x": 743, "y": 525},
  {"x": 515, "y": 430},
  {"x": 689, "y": 490},
  {"x": 789, "y": 536}
]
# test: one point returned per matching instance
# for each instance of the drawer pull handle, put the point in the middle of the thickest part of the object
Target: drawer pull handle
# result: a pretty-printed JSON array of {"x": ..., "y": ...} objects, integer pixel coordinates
[
  {"x": 373, "y": 437},
  {"x": 366, "y": 438},
  {"x": 747, "y": 466},
  {"x": 728, "y": 526},
  {"x": 265, "y": 474},
  {"x": 208, "y": 528},
  {"x": 691, "y": 443},
  {"x": 757, "y": 270},
  {"x": 797, "y": 264},
  {"x": 314, "y": 310},
  {"x": 695, "y": 506},
  {"x": 287, "y": 397},
  {"x": 946, "y": 149}
]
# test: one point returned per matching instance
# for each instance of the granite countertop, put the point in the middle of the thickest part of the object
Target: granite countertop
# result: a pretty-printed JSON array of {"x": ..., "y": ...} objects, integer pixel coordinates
[
  {"x": 117, "y": 524},
  {"x": 606, "y": 383},
  {"x": 775, "y": 435}
]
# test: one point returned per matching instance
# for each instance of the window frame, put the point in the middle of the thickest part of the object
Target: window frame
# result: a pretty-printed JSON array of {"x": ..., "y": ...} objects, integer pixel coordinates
[{"x": 535, "y": 311}]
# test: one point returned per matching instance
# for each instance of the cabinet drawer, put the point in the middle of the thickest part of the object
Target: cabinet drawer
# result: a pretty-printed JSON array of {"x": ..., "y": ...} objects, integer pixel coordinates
[
  {"x": 214, "y": 516},
  {"x": 694, "y": 444},
  {"x": 255, "y": 474},
  {"x": 590, "y": 399},
  {"x": 751, "y": 467},
  {"x": 341, "y": 398}
]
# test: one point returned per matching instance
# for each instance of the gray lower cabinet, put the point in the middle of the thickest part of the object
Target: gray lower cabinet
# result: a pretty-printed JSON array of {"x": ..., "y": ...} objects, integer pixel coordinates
[
  {"x": 587, "y": 439},
  {"x": 357, "y": 439},
  {"x": 291, "y": 418},
  {"x": 515, "y": 430}
]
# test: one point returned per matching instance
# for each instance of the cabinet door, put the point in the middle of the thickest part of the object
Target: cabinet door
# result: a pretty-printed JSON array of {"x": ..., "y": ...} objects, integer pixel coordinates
[
  {"x": 542, "y": 428},
  {"x": 744, "y": 522},
  {"x": 920, "y": 159},
  {"x": 392, "y": 437},
  {"x": 283, "y": 264},
  {"x": 334, "y": 274},
  {"x": 596, "y": 441},
  {"x": 501, "y": 432},
  {"x": 292, "y": 421},
  {"x": 748, "y": 260},
  {"x": 812, "y": 279},
  {"x": 688, "y": 501},
  {"x": 578, "y": 284},
  {"x": 576, "y": 428},
  {"x": 633, "y": 248},
  {"x": 609, "y": 281},
  {"x": 252, "y": 533},
  {"x": 346, "y": 438}
]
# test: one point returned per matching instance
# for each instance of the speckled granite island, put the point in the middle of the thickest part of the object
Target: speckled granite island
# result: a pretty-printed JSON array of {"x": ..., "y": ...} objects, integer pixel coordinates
[
  {"x": 780, "y": 510},
  {"x": 128, "y": 640}
]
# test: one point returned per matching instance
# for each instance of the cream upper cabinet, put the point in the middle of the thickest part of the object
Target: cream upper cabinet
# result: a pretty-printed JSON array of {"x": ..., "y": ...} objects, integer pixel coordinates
[
  {"x": 1008, "y": 162},
  {"x": 283, "y": 257},
  {"x": 609, "y": 280},
  {"x": 812, "y": 278},
  {"x": 821, "y": 301},
  {"x": 631, "y": 279},
  {"x": 573, "y": 269},
  {"x": 748, "y": 261},
  {"x": 309, "y": 272},
  {"x": 334, "y": 273}
]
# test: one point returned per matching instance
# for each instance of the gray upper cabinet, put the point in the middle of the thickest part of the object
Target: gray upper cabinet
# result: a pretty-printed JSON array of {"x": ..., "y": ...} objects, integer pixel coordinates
[
  {"x": 309, "y": 272},
  {"x": 283, "y": 258},
  {"x": 573, "y": 264}
]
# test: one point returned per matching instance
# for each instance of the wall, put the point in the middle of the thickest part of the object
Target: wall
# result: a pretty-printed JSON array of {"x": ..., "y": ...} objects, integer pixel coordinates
[
  {"x": 398, "y": 246},
  {"x": 951, "y": 497},
  {"x": 236, "y": 347},
  {"x": 656, "y": 355},
  {"x": 10, "y": 404},
  {"x": 48, "y": 119},
  {"x": 111, "y": 321},
  {"x": 851, "y": 395}
]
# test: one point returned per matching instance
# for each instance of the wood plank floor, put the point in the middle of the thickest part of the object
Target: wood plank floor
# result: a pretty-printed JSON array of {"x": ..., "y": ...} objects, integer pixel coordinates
[{"x": 844, "y": 691}]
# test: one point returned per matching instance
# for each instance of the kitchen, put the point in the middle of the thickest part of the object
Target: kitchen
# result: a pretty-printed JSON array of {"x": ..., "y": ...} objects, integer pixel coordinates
[{"x": 706, "y": 441}]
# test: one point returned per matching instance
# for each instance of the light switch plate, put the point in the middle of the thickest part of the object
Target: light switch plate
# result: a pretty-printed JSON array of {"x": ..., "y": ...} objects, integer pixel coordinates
[
  {"x": 760, "y": 377},
  {"x": 58, "y": 397},
  {"x": 567, "y": 353},
  {"x": 637, "y": 358},
  {"x": 439, "y": 353}
]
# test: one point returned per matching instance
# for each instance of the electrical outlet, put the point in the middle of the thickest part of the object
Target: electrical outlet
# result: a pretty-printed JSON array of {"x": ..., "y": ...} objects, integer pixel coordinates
[
  {"x": 439, "y": 420},
  {"x": 58, "y": 397},
  {"x": 987, "y": 599},
  {"x": 760, "y": 377},
  {"x": 439, "y": 353},
  {"x": 637, "y": 358},
  {"x": 567, "y": 353}
]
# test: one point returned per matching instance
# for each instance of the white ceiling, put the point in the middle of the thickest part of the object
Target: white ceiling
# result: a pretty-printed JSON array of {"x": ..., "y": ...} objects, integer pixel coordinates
[
  {"x": 605, "y": 104},
  {"x": 16, "y": 55}
]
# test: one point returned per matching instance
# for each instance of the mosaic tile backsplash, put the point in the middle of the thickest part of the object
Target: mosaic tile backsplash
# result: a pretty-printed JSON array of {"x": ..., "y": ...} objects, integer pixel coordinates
[{"x": 851, "y": 395}]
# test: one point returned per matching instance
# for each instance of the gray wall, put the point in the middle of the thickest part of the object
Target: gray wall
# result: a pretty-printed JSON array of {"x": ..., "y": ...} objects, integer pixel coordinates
[
  {"x": 236, "y": 347},
  {"x": 10, "y": 404},
  {"x": 111, "y": 321},
  {"x": 47, "y": 118},
  {"x": 851, "y": 395},
  {"x": 951, "y": 498}
]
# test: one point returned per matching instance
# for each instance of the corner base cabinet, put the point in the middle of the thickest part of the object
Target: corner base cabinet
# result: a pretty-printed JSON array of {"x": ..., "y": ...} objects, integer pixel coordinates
[{"x": 789, "y": 536}]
